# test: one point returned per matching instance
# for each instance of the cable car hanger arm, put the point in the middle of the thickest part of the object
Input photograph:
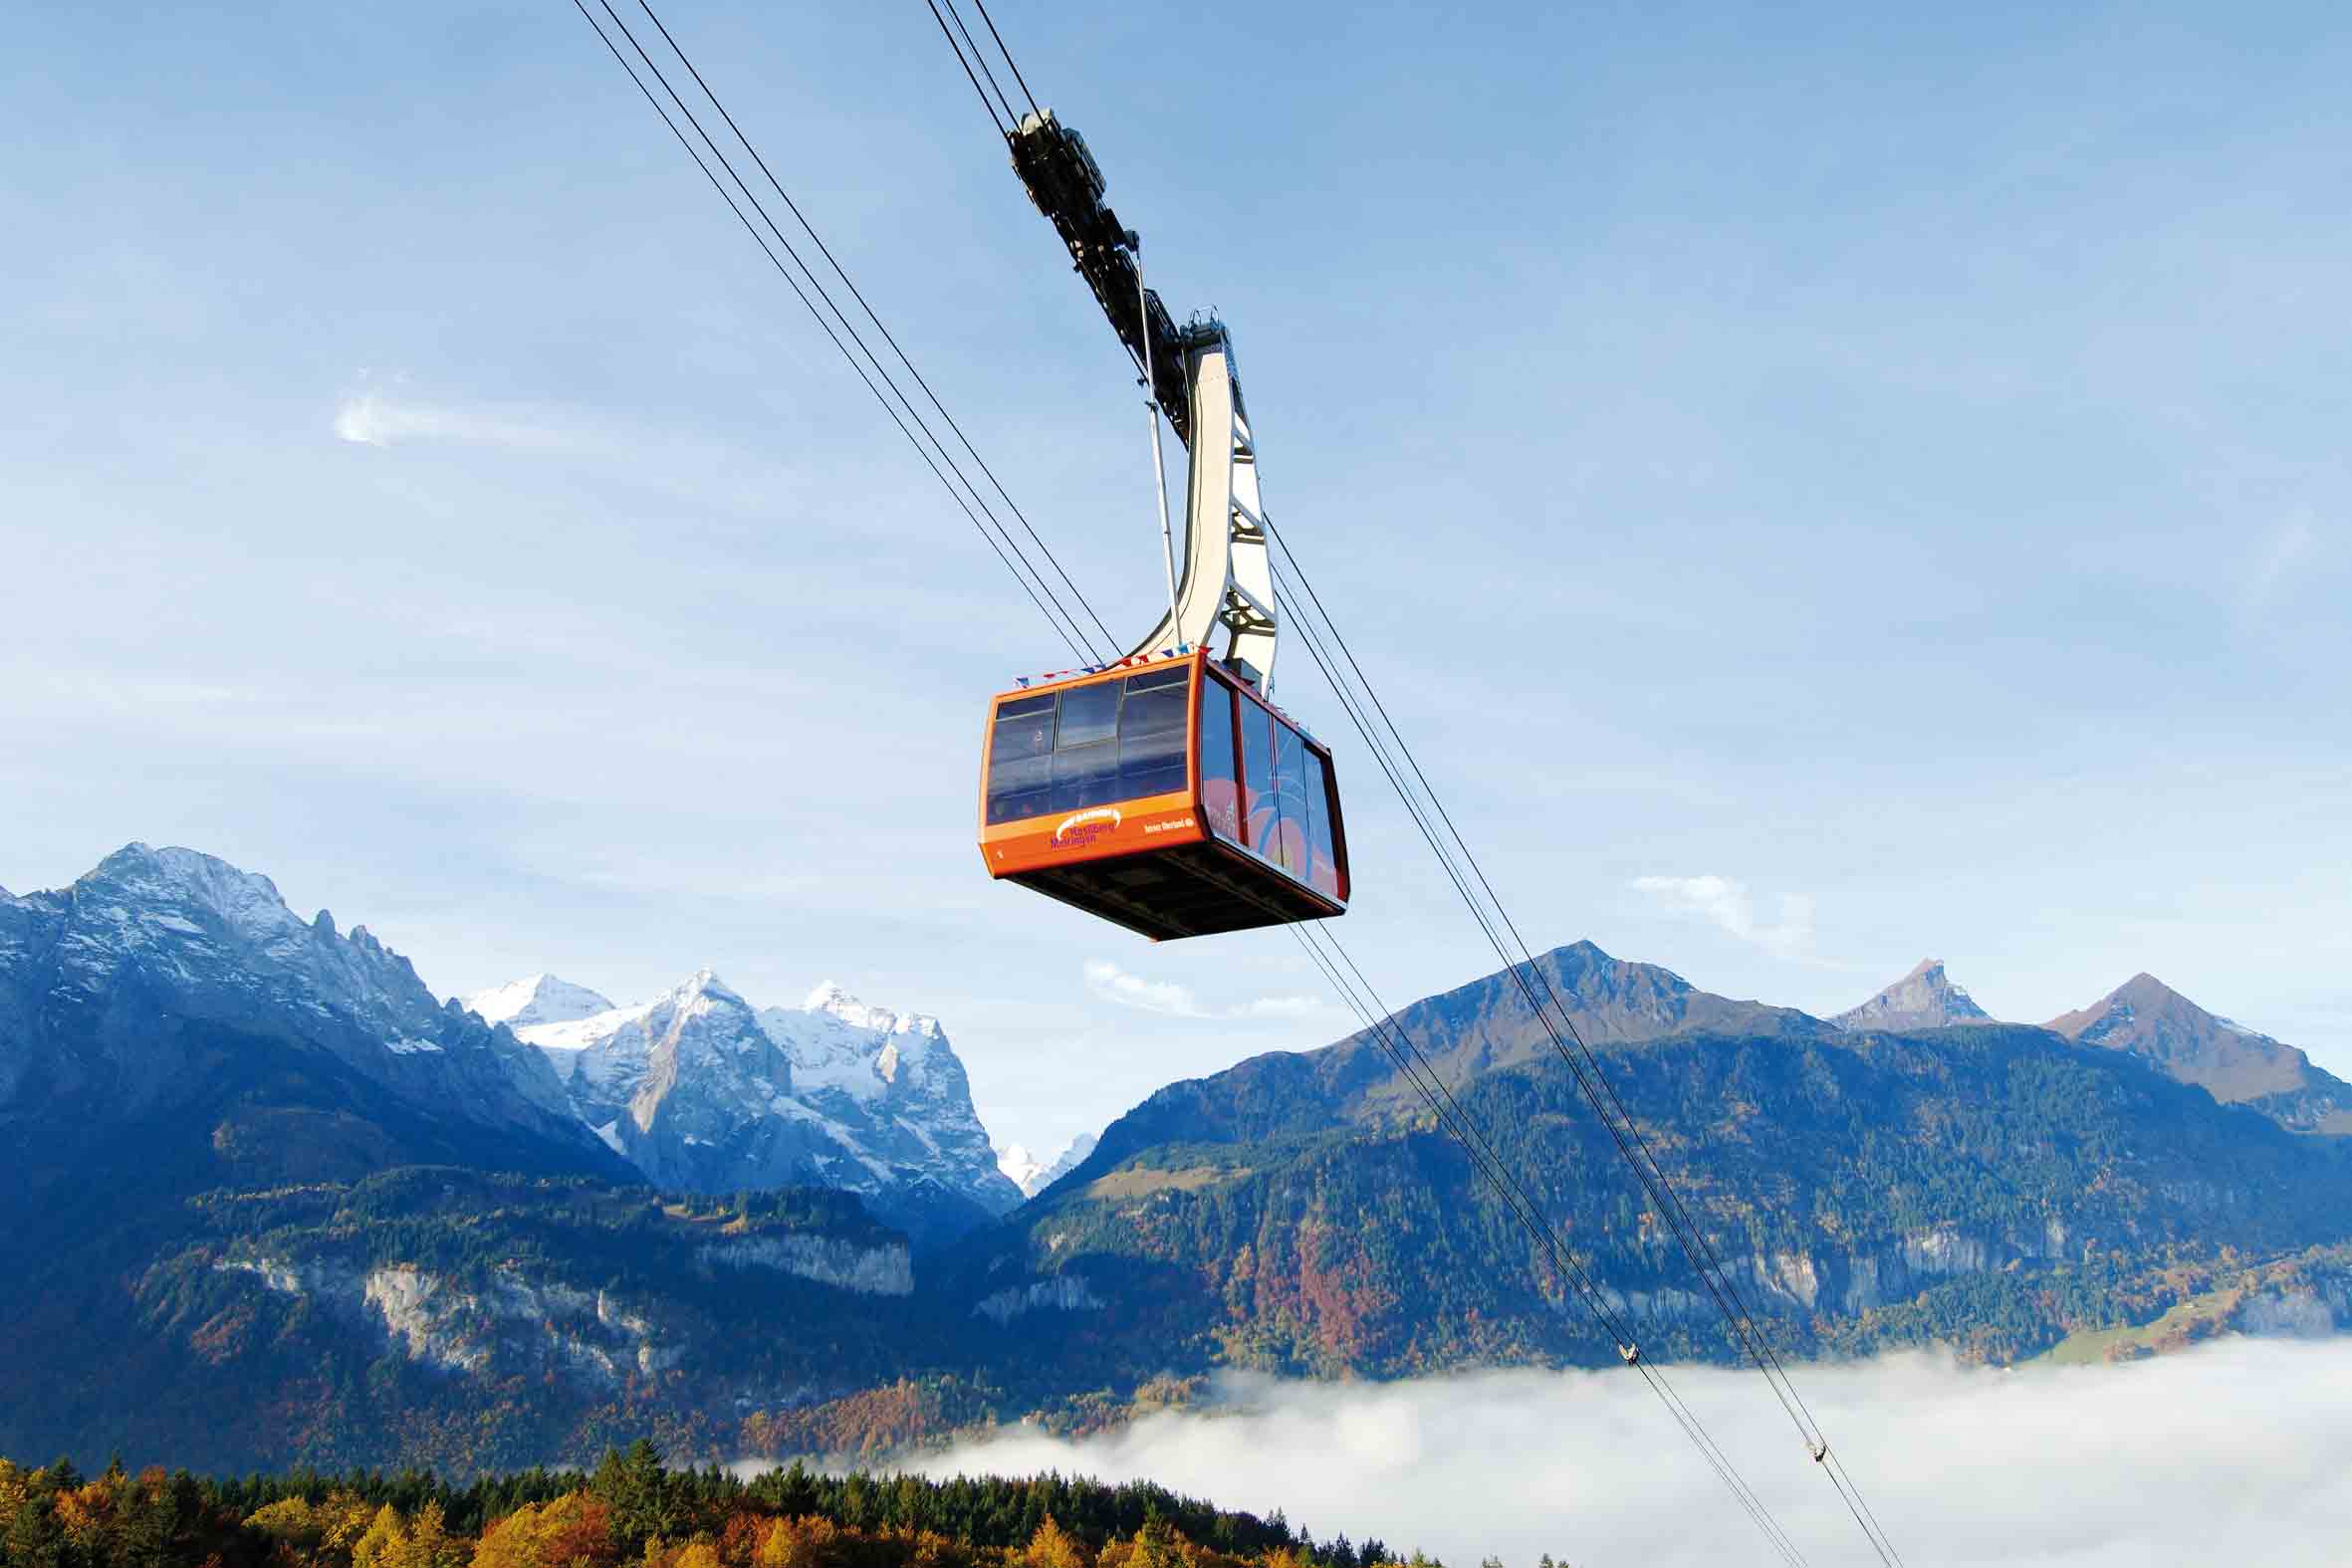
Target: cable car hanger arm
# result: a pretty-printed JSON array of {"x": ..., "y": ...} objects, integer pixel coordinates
[{"x": 1227, "y": 575}]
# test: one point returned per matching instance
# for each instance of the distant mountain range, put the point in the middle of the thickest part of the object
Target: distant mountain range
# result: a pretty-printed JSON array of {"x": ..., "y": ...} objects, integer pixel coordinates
[
  {"x": 1992, "y": 1186},
  {"x": 2148, "y": 1020},
  {"x": 270, "y": 1199}
]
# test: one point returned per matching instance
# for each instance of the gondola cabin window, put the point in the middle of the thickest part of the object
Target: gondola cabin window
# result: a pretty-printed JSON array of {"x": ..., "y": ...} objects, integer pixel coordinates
[
  {"x": 1152, "y": 721},
  {"x": 1020, "y": 759},
  {"x": 1221, "y": 780}
]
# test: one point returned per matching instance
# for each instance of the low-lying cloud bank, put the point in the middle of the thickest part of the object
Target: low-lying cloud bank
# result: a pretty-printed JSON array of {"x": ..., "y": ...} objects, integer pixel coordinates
[{"x": 2236, "y": 1453}]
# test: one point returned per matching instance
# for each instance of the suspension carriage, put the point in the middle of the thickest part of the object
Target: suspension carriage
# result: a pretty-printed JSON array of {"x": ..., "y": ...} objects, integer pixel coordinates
[{"x": 1164, "y": 792}]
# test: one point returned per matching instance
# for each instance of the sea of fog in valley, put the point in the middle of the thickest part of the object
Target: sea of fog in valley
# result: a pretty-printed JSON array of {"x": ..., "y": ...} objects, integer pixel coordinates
[{"x": 2232, "y": 1452}]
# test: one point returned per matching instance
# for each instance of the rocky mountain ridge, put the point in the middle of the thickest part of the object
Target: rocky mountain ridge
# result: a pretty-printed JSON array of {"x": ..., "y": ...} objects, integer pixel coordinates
[{"x": 167, "y": 980}]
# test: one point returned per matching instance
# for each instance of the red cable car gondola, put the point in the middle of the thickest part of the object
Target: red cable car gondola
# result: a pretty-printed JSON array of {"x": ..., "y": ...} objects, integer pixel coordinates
[
  {"x": 1164, "y": 790},
  {"x": 1164, "y": 794}
]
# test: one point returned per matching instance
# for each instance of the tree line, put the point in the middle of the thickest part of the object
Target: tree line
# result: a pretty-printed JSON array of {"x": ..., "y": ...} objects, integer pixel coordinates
[{"x": 633, "y": 1509}]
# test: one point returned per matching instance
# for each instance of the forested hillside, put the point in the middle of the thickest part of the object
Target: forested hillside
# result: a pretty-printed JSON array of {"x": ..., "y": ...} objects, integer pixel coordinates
[{"x": 1992, "y": 1187}]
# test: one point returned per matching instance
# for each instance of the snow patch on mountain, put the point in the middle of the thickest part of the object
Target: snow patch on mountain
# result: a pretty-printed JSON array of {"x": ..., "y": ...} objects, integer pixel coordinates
[{"x": 535, "y": 1000}]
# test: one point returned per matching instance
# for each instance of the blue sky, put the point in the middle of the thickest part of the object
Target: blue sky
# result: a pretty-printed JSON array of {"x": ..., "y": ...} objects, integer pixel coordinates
[{"x": 1820, "y": 484}]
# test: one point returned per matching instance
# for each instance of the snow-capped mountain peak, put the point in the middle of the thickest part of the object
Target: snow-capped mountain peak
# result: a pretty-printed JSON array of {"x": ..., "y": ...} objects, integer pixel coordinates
[
  {"x": 536, "y": 998},
  {"x": 699, "y": 1088},
  {"x": 1032, "y": 1174},
  {"x": 704, "y": 991}
]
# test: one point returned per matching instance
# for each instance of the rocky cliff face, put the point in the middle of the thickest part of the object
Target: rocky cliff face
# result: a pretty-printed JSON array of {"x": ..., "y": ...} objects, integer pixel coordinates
[
  {"x": 701, "y": 1090},
  {"x": 515, "y": 1322},
  {"x": 1925, "y": 999}
]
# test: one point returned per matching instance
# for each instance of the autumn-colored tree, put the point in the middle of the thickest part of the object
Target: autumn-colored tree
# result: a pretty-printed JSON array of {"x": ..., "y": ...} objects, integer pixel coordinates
[
  {"x": 292, "y": 1522},
  {"x": 384, "y": 1532},
  {"x": 565, "y": 1532},
  {"x": 811, "y": 1542},
  {"x": 1054, "y": 1547},
  {"x": 83, "y": 1512},
  {"x": 429, "y": 1543}
]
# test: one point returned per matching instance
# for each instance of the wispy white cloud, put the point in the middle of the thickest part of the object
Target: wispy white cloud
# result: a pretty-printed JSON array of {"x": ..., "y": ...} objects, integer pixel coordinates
[
  {"x": 375, "y": 419},
  {"x": 1726, "y": 903},
  {"x": 1110, "y": 983},
  {"x": 2230, "y": 1453}
]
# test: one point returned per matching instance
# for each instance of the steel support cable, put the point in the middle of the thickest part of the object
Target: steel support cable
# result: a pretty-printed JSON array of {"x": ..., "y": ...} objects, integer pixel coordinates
[
  {"x": 1522, "y": 1208},
  {"x": 1840, "y": 1480},
  {"x": 782, "y": 271},
  {"x": 1514, "y": 968},
  {"x": 1593, "y": 1081},
  {"x": 1110, "y": 642},
  {"x": 1314, "y": 651},
  {"x": 981, "y": 56},
  {"x": 1023, "y": 82},
  {"x": 1587, "y": 1071},
  {"x": 1002, "y": 129},
  {"x": 1378, "y": 1008},
  {"x": 1621, "y": 1127},
  {"x": 818, "y": 287}
]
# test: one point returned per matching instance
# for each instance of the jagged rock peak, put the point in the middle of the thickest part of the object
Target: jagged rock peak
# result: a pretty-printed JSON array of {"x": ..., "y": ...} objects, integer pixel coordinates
[
  {"x": 537, "y": 999},
  {"x": 831, "y": 1000},
  {"x": 704, "y": 987},
  {"x": 1925, "y": 999}
]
